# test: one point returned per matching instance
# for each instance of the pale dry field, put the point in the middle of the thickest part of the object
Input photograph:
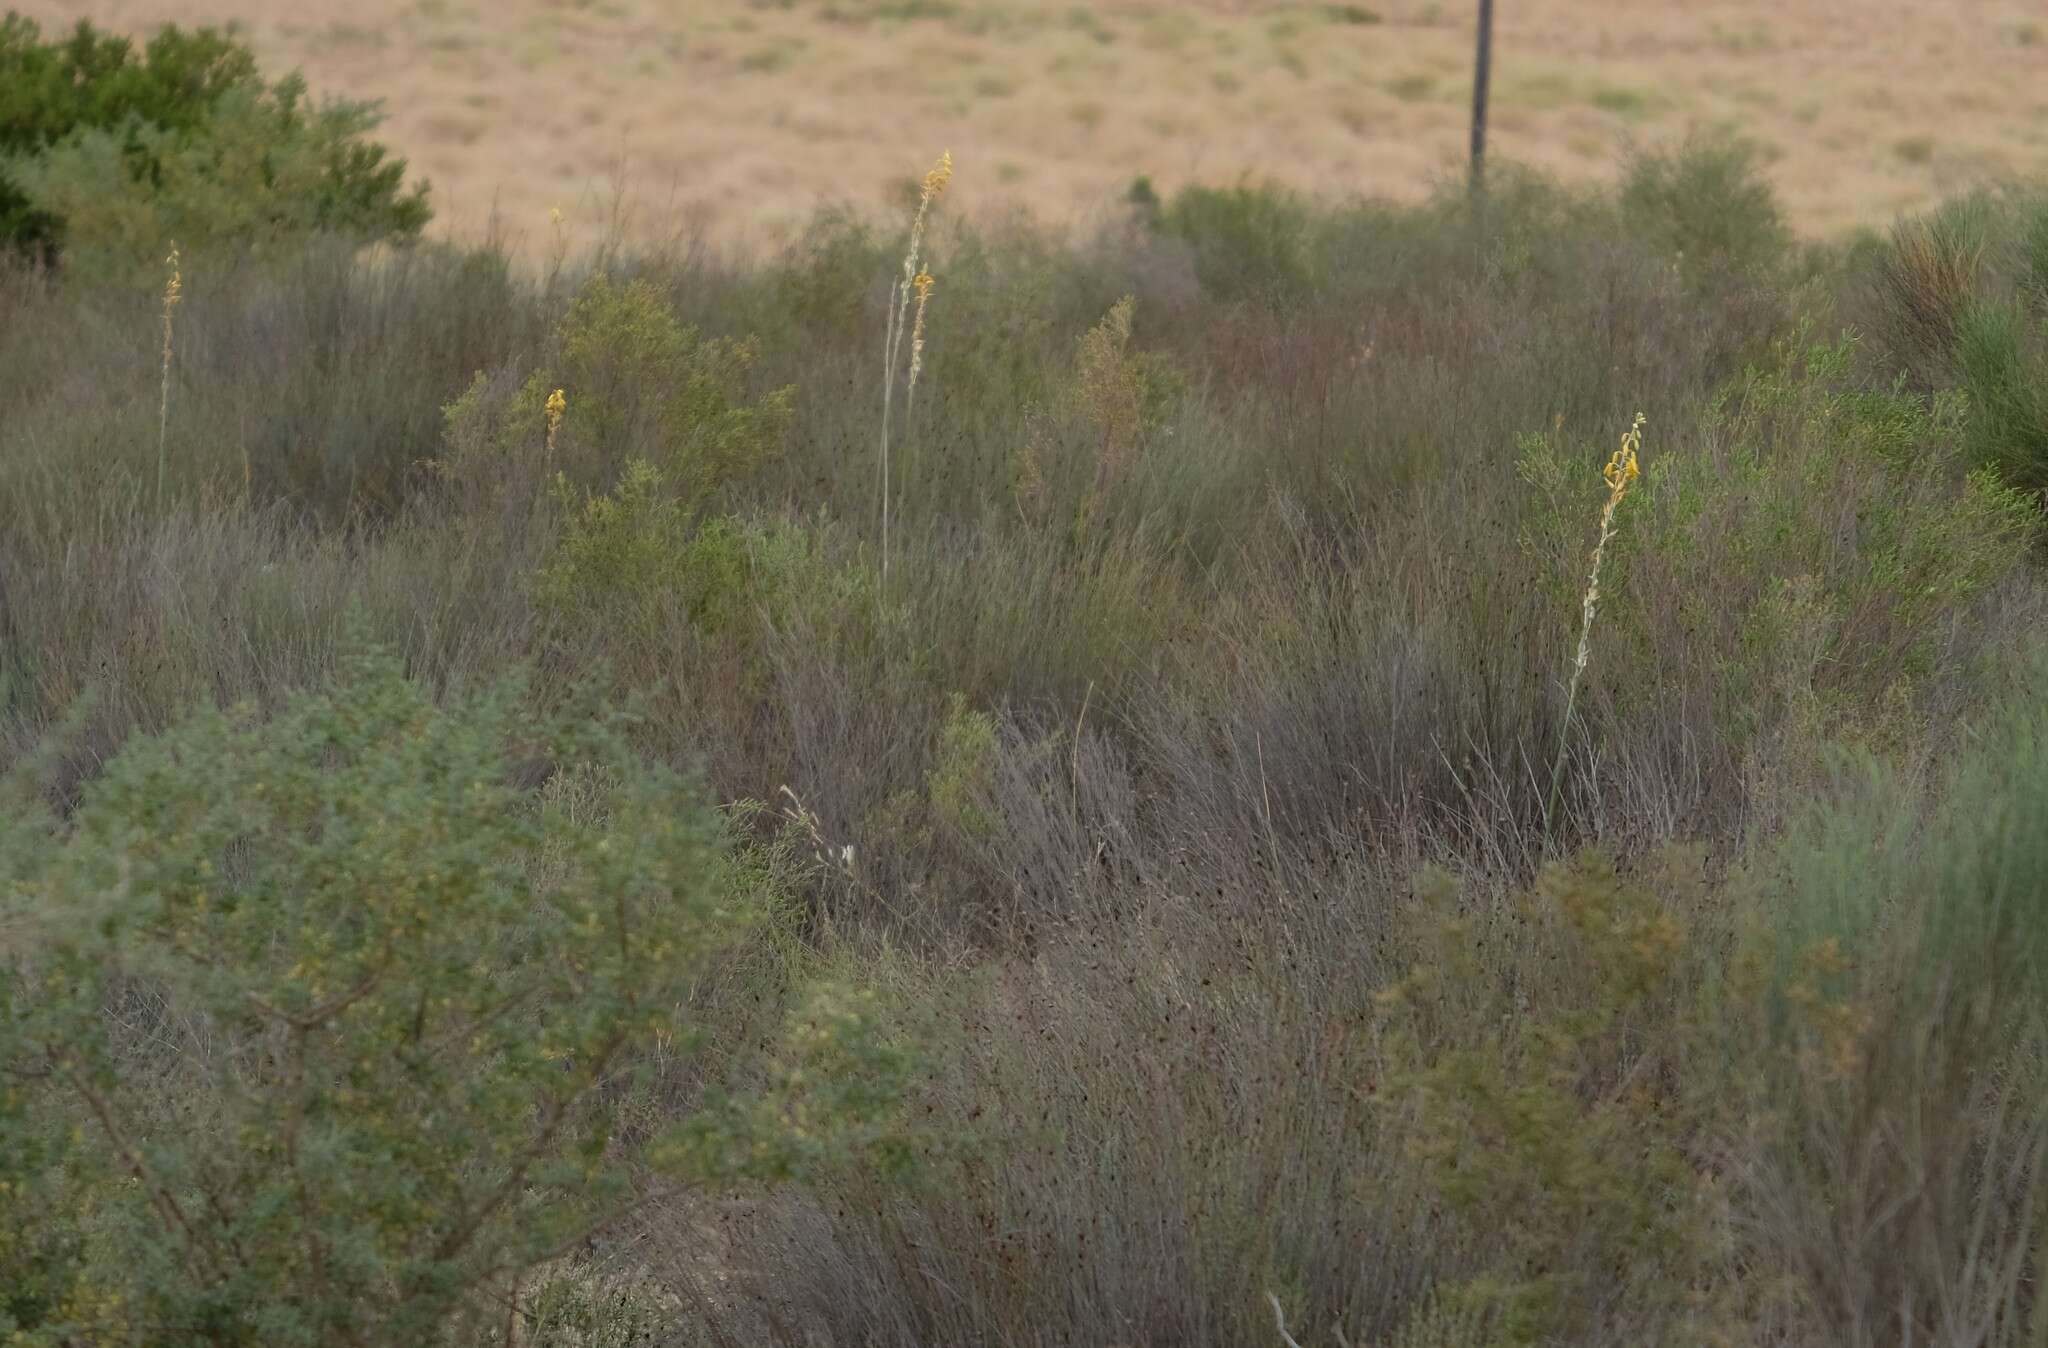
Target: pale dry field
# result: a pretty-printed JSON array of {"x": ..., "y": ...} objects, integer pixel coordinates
[{"x": 740, "y": 117}]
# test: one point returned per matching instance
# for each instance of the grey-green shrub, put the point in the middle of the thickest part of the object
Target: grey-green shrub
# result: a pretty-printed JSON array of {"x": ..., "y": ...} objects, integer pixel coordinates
[
  {"x": 1906, "y": 949},
  {"x": 341, "y": 1005}
]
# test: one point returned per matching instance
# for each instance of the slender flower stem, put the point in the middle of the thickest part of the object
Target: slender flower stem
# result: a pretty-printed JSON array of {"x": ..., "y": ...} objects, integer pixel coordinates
[
  {"x": 1621, "y": 471},
  {"x": 914, "y": 279},
  {"x": 174, "y": 292}
]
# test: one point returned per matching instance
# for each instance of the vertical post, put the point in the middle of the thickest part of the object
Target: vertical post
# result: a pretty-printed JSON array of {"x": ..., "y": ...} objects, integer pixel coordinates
[{"x": 1482, "y": 76}]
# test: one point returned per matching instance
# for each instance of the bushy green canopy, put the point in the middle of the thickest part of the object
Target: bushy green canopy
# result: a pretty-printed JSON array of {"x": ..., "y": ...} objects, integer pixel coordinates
[{"x": 107, "y": 150}]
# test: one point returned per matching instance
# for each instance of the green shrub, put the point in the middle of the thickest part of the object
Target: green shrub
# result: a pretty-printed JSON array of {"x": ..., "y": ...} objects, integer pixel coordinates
[
  {"x": 106, "y": 156},
  {"x": 1562, "y": 1098},
  {"x": 1707, "y": 203},
  {"x": 1923, "y": 277},
  {"x": 961, "y": 779},
  {"x": 632, "y": 556},
  {"x": 1248, "y": 242},
  {"x": 619, "y": 557},
  {"x": 1907, "y": 947},
  {"x": 92, "y": 80},
  {"x": 347, "y": 1006},
  {"x": 1957, "y": 872},
  {"x": 51, "y": 1293},
  {"x": 2001, "y": 359},
  {"x": 1958, "y": 299},
  {"x": 1817, "y": 553},
  {"x": 642, "y": 385}
]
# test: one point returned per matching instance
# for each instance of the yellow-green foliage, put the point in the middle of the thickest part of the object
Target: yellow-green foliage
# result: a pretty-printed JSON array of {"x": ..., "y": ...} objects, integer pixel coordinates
[
  {"x": 635, "y": 569},
  {"x": 963, "y": 773},
  {"x": 619, "y": 558},
  {"x": 1820, "y": 548},
  {"x": 645, "y": 386},
  {"x": 576, "y": 1307},
  {"x": 1115, "y": 399},
  {"x": 51, "y": 1293},
  {"x": 1110, "y": 390},
  {"x": 483, "y": 433},
  {"x": 1554, "y": 1073}
]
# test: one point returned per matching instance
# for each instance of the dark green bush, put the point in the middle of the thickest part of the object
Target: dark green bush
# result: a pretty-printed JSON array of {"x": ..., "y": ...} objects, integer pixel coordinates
[
  {"x": 92, "y": 80},
  {"x": 2001, "y": 358},
  {"x": 1248, "y": 242},
  {"x": 1958, "y": 299},
  {"x": 106, "y": 154},
  {"x": 1708, "y": 203}
]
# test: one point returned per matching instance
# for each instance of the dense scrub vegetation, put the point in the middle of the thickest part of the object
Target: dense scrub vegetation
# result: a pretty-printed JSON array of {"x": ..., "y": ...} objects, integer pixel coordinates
[
  {"x": 1177, "y": 908},
  {"x": 106, "y": 153}
]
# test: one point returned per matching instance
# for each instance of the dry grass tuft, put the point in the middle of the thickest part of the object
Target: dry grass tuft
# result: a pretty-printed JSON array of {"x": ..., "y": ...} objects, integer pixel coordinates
[{"x": 1928, "y": 277}]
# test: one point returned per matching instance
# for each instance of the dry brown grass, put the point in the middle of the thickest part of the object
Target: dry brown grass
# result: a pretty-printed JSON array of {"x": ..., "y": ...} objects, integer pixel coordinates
[{"x": 744, "y": 115}]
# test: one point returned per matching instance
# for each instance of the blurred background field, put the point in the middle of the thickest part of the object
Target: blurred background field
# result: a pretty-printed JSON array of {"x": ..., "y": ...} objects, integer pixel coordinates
[{"x": 740, "y": 116}]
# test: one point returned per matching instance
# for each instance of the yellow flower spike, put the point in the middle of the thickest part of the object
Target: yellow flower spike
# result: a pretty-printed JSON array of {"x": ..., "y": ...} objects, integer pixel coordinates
[
  {"x": 557, "y": 404},
  {"x": 941, "y": 174},
  {"x": 1621, "y": 470},
  {"x": 923, "y": 284}
]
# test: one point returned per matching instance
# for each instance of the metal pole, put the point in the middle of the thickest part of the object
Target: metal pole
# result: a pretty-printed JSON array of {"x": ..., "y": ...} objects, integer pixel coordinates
[{"x": 1482, "y": 75}]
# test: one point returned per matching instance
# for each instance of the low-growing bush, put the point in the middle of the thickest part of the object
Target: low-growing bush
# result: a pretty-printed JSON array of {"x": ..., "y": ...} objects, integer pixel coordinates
[
  {"x": 1561, "y": 1076},
  {"x": 1248, "y": 242},
  {"x": 1707, "y": 205},
  {"x": 646, "y": 387},
  {"x": 1907, "y": 985},
  {"x": 342, "y": 1005}
]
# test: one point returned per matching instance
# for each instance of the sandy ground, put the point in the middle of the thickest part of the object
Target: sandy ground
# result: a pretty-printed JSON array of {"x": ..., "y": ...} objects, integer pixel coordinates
[{"x": 742, "y": 116}]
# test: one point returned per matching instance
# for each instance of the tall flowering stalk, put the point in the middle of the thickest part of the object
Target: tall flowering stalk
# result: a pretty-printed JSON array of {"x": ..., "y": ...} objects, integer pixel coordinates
[
  {"x": 174, "y": 294},
  {"x": 922, "y": 283},
  {"x": 556, "y": 405},
  {"x": 1621, "y": 472},
  {"x": 915, "y": 280}
]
